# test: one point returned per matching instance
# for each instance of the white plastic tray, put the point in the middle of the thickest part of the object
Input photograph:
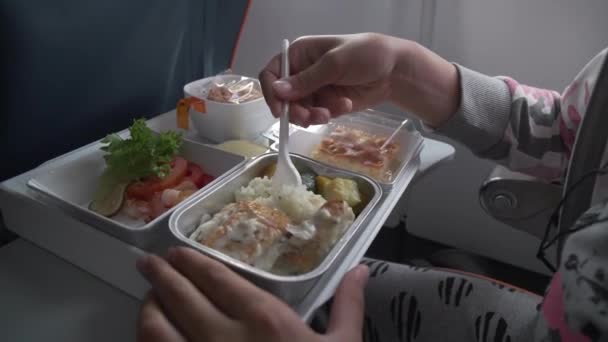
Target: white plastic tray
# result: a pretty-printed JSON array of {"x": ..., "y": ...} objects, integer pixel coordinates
[{"x": 114, "y": 261}]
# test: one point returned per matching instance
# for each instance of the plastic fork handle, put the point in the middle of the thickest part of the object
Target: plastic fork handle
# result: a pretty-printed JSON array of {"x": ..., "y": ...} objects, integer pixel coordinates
[{"x": 284, "y": 125}]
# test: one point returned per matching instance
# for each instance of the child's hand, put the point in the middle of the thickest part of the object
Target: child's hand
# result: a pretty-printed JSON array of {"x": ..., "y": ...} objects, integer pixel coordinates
[
  {"x": 195, "y": 298},
  {"x": 331, "y": 75},
  {"x": 335, "y": 75}
]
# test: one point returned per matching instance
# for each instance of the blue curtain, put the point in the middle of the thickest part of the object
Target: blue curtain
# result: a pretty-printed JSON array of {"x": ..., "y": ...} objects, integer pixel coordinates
[{"x": 74, "y": 70}]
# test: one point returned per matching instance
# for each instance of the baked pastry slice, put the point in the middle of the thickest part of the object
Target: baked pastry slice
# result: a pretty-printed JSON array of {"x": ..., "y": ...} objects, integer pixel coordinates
[{"x": 358, "y": 151}]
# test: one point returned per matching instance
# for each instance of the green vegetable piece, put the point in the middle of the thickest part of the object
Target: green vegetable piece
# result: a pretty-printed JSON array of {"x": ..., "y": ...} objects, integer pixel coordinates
[
  {"x": 144, "y": 154},
  {"x": 322, "y": 183},
  {"x": 308, "y": 179},
  {"x": 342, "y": 189}
]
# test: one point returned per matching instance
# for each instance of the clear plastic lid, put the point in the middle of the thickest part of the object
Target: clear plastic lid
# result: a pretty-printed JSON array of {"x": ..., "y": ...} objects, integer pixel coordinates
[
  {"x": 229, "y": 88},
  {"x": 356, "y": 142},
  {"x": 362, "y": 147}
]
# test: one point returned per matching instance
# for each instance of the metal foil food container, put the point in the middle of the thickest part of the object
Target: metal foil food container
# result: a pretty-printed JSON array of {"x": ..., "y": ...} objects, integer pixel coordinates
[{"x": 290, "y": 288}]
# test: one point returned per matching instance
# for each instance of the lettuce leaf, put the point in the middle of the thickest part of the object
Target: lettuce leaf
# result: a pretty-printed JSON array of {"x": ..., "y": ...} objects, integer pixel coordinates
[{"x": 144, "y": 154}]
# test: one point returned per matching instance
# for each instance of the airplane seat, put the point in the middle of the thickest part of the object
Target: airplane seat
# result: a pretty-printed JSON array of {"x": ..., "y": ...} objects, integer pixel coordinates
[
  {"x": 526, "y": 203},
  {"x": 519, "y": 201},
  {"x": 74, "y": 71}
]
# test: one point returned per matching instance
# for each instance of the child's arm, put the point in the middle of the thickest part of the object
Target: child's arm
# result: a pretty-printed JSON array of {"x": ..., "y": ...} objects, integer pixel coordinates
[{"x": 527, "y": 129}]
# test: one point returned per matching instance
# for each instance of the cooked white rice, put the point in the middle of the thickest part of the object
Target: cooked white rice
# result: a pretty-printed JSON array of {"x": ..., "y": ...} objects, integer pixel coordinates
[
  {"x": 297, "y": 202},
  {"x": 313, "y": 228}
]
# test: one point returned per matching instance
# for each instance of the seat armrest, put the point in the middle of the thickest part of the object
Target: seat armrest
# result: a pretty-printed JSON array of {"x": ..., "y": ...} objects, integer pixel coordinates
[{"x": 520, "y": 201}]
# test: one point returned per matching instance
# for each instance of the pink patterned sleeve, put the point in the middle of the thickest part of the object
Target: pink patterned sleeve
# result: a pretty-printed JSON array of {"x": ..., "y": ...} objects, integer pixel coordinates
[
  {"x": 526, "y": 129},
  {"x": 534, "y": 132}
]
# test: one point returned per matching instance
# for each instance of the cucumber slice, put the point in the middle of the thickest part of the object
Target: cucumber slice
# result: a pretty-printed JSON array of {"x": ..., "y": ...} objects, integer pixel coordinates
[{"x": 109, "y": 201}]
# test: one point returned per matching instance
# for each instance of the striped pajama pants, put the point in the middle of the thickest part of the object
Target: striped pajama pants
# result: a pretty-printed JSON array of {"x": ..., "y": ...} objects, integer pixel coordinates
[{"x": 413, "y": 304}]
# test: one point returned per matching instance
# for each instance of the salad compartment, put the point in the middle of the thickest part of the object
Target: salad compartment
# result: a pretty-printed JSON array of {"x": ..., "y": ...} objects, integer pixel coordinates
[{"x": 69, "y": 184}]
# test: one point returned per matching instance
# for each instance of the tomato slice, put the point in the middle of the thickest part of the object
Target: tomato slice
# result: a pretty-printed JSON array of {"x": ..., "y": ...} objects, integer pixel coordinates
[
  {"x": 145, "y": 189},
  {"x": 196, "y": 175}
]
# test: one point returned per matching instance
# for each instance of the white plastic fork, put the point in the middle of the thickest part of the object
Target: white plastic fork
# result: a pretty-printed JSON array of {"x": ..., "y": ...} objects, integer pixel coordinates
[{"x": 286, "y": 173}]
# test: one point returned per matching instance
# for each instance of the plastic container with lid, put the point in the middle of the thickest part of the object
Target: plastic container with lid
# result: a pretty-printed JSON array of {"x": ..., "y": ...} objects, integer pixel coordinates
[
  {"x": 374, "y": 123},
  {"x": 221, "y": 121}
]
